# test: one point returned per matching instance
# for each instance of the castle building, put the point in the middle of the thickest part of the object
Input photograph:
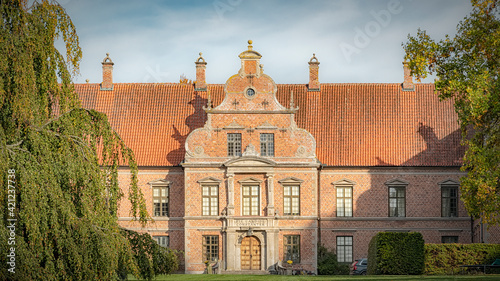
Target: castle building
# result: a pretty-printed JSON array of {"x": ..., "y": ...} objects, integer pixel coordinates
[{"x": 252, "y": 172}]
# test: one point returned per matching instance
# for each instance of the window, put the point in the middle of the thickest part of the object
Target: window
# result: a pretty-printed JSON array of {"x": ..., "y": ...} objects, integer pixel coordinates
[
  {"x": 449, "y": 201},
  {"x": 344, "y": 201},
  {"x": 210, "y": 200},
  {"x": 163, "y": 241},
  {"x": 449, "y": 239},
  {"x": 291, "y": 248},
  {"x": 397, "y": 198},
  {"x": 160, "y": 201},
  {"x": 267, "y": 144},
  {"x": 210, "y": 247},
  {"x": 344, "y": 248},
  {"x": 250, "y": 200},
  {"x": 250, "y": 92},
  {"x": 233, "y": 144},
  {"x": 291, "y": 196}
]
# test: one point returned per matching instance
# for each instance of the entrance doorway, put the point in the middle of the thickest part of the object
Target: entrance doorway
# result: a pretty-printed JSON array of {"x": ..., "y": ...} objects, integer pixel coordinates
[{"x": 250, "y": 253}]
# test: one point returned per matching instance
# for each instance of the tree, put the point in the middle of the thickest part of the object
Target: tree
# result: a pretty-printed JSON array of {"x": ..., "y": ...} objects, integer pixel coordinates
[
  {"x": 58, "y": 162},
  {"x": 467, "y": 67}
]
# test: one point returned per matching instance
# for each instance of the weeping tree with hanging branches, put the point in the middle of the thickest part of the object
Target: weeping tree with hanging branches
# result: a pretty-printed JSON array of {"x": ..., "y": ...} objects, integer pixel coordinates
[
  {"x": 59, "y": 190},
  {"x": 467, "y": 67}
]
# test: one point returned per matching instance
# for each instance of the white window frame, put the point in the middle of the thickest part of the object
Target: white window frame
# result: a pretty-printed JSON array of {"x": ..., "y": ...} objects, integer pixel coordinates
[
  {"x": 210, "y": 182},
  {"x": 290, "y": 182},
  {"x": 160, "y": 183},
  {"x": 344, "y": 184},
  {"x": 250, "y": 182}
]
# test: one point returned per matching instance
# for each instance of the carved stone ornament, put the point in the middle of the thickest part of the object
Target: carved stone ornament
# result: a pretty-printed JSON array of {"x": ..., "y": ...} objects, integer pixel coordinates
[
  {"x": 198, "y": 150},
  {"x": 250, "y": 222},
  {"x": 301, "y": 151},
  {"x": 250, "y": 151}
]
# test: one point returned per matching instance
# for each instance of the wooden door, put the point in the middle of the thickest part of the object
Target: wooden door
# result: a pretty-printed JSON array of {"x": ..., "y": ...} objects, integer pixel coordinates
[{"x": 250, "y": 253}]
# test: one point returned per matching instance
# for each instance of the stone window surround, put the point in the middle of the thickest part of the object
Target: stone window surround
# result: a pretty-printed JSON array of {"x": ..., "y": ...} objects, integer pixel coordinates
[
  {"x": 449, "y": 184},
  {"x": 210, "y": 181},
  {"x": 160, "y": 183},
  {"x": 397, "y": 184},
  {"x": 251, "y": 182},
  {"x": 344, "y": 183},
  {"x": 291, "y": 181}
]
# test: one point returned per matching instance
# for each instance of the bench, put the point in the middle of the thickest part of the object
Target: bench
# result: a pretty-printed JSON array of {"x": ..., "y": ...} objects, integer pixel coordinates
[{"x": 482, "y": 267}]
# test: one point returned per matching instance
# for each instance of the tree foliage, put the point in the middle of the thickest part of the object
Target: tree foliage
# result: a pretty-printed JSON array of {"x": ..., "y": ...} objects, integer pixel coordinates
[
  {"x": 58, "y": 161},
  {"x": 467, "y": 67},
  {"x": 151, "y": 258}
]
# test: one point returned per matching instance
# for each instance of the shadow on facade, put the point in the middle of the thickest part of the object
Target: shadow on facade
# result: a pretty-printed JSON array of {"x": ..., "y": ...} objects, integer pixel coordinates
[
  {"x": 196, "y": 120},
  {"x": 439, "y": 155}
]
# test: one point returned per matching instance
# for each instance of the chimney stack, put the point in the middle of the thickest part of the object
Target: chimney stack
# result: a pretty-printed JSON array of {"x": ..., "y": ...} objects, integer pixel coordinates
[
  {"x": 313, "y": 74},
  {"x": 107, "y": 74},
  {"x": 201, "y": 65},
  {"x": 408, "y": 80}
]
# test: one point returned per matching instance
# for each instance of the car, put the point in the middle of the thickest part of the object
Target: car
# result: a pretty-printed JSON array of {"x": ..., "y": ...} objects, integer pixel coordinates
[{"x": 358, "y": 267}]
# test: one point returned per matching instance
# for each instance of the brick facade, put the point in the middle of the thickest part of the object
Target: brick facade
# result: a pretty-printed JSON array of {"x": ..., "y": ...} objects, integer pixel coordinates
[{"x": 315, "y": 182}]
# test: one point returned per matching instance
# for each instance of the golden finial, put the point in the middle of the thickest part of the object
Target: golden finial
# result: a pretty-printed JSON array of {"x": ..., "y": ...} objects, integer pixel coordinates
[{"x": 250, "y": 44}]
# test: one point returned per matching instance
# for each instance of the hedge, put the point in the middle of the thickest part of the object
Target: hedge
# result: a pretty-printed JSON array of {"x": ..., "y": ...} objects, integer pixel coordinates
[
  {"x": 447, "y": 258},
  {"x": 396, "y": 253}
]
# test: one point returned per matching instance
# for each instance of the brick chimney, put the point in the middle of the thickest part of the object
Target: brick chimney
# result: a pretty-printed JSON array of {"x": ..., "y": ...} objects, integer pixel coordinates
[
  {"x": 107, "y": 74},
  {"x": 408, "y": 80},
  {"x": 313, "y": 74},
  {"x": 201, "y": 65}
]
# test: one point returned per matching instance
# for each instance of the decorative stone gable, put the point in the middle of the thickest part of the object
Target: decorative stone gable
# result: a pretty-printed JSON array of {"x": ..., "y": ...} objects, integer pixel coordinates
[
  {"x": 250, "y": 108},
  {"x": 237, "y": 170}
]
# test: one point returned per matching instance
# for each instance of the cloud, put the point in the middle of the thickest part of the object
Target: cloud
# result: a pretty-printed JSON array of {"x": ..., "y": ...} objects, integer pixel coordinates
[{"x": 166, "y": 37}]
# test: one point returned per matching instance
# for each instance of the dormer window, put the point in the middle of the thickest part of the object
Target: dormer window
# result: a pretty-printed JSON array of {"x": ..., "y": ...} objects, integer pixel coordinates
[
  {"x": 234, "y": 144},
  {"x": 267, "y": 144}
]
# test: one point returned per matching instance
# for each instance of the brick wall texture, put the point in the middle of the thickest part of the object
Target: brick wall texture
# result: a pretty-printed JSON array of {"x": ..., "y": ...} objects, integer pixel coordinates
[{"x": 202, "y": 145}]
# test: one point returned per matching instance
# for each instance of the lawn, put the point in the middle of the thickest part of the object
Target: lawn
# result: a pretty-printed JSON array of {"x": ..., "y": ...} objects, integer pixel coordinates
[{"x": 180, "y": 277}]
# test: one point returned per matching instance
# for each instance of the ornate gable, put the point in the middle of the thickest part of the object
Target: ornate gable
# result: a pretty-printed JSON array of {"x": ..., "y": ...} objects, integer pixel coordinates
[{"x": 250, "y": 122}]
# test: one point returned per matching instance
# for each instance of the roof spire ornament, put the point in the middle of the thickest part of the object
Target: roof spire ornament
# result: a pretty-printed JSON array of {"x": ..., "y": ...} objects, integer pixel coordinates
[
  {"x": 107, "y": 60},
  {"x": 250, "y": 47},
  {"x": 200, "y": 59}
]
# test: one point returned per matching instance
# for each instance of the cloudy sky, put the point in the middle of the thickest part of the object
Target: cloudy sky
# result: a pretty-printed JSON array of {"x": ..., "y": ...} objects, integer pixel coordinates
[{"x": 158, "y": 41}]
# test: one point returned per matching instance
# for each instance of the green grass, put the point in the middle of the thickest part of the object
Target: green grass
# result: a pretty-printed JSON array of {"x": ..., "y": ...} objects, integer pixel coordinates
[{"x": 181, "y": 277}]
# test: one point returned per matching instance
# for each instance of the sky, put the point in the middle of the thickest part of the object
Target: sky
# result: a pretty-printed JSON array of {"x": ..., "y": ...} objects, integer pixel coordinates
[{"x": 355, "y": 41}]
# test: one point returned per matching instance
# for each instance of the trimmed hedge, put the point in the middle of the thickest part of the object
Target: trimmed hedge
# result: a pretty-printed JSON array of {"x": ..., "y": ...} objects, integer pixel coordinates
[
  {"x": 396, "y": 253},
  {"x": 446, "y": 258}
]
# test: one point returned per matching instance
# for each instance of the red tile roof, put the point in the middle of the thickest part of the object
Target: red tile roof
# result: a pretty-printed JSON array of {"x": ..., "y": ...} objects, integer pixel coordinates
[{"x": 354, "y": 124}]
